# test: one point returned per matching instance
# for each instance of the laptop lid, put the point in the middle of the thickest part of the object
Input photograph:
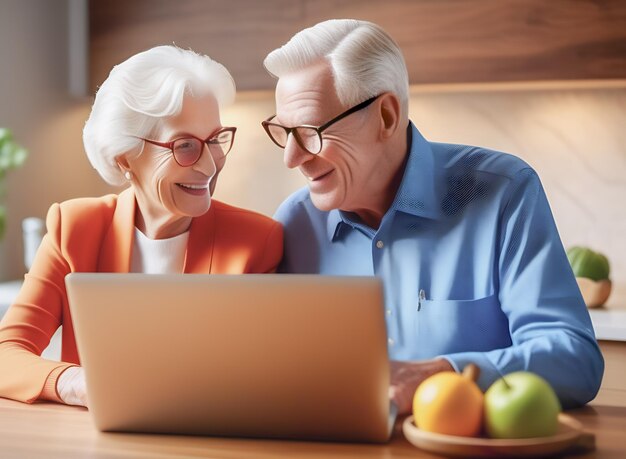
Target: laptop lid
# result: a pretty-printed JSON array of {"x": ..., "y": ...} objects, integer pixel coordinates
[{"x": 281, "y": 356}]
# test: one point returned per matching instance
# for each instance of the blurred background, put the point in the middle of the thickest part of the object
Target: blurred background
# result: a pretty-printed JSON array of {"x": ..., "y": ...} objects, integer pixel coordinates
[{"x": 543, "y": 80}]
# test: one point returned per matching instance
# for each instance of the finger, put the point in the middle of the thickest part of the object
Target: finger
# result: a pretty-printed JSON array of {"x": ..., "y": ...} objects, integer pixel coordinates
[
  {"x": 399, "y": 374},
  {"x": 404, "y": 400}
]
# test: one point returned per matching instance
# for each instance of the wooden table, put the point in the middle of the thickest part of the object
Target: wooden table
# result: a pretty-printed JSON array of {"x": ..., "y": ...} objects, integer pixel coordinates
[{"x": 56, "y": 431}]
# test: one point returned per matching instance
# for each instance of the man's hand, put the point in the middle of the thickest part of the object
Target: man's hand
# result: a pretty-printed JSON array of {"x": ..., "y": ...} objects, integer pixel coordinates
[
  {"x": 71, "y": 386},
  {"x": 406, "y": 376}
]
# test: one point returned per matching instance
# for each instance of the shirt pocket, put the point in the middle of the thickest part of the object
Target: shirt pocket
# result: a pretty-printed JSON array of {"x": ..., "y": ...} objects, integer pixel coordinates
[{"x": 449, "y": 326}]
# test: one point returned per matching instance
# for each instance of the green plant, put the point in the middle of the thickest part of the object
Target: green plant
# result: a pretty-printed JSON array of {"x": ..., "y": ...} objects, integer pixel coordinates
[{"x": 12, "y": 155}]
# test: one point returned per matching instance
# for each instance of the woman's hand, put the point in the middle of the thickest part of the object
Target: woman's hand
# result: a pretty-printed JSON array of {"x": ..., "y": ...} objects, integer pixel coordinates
[{"x": 71, "y": 387}]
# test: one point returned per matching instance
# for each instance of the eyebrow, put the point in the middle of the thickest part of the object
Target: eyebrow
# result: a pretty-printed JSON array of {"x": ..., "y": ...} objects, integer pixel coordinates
[
  {"x": 182, "y": 134},
  {"x": 178, "y": 135},
  {"x": 277, "y": 121}
]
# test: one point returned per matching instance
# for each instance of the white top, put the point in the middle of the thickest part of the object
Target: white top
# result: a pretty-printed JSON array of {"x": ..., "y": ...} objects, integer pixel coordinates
[{"x": 158, "y": 256}]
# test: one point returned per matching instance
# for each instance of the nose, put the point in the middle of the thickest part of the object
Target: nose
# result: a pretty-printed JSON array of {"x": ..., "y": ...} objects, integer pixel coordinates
[
  {"x": 295, "y": 155},
  {"x": 206, "y": 164}
]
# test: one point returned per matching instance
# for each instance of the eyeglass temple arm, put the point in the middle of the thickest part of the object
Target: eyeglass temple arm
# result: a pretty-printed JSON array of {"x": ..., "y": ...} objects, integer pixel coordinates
[{"x": 356, "y": 108}]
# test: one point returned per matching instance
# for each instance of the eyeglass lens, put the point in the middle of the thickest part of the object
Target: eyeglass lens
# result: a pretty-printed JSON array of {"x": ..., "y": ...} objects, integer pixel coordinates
[
  {"x": 308, "y": 138},
  {"x": 187, "y": 151}
]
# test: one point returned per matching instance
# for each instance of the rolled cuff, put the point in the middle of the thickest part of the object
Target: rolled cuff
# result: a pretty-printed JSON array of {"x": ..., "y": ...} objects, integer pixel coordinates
[{"x": 49, "y": 391}]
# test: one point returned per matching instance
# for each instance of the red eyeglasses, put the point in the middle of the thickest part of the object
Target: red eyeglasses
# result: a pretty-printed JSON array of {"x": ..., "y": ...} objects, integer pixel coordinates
[{"x": 187, "y": 150}]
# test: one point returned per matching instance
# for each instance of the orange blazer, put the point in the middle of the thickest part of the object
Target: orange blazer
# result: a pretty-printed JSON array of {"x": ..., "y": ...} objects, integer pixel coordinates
[{"x": 96, "y": 235}]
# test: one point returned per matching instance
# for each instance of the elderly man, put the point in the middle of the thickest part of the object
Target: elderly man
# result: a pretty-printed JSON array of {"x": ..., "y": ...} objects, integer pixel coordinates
[{"x": 462, "y": 237}]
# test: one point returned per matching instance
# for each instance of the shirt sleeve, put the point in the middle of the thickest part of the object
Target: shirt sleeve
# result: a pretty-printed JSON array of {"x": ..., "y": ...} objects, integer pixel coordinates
[
  {"x": 284, "y": 215},
  {"x": 28, "y": 325},
  {"x": 273, "y": 250},
  {"x": 300, "y": 252},
  {"x": 550, "y": 327}
]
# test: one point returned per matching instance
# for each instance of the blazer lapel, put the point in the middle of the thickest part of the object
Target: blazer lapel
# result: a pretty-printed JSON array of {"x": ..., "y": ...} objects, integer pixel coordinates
[{"x": 117, "y": 245}]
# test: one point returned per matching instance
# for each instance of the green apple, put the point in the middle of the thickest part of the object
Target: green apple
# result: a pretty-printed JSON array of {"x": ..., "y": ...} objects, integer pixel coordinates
[
  {"x": 587, "y": 263},
  {"x": 521, "y": 405}
]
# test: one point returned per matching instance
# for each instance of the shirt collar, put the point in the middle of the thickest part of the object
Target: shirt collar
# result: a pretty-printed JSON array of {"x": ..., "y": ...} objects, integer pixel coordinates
[
  {"x": 333, "y": 224},
  {"x": 417, "y": 194}
]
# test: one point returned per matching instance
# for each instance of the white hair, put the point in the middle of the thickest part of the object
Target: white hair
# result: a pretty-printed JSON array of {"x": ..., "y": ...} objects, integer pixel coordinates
[
  {"x": 139, "y": 93},
  {"x": 364, "y": 59}
]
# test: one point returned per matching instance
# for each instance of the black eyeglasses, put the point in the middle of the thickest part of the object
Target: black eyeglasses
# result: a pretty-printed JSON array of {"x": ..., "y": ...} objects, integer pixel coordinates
[
  {"x": 188, "y": 150},
  {"x": 308, "y": 137}
]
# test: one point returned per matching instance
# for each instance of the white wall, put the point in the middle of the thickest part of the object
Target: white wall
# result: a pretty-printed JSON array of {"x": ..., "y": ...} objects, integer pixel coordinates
[{"x": 574, "y": 138}]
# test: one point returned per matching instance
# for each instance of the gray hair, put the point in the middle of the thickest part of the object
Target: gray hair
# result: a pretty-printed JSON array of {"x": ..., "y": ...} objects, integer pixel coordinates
[
  {"x": 365, "y": 60},
  {"x": 139, "y": 93}
]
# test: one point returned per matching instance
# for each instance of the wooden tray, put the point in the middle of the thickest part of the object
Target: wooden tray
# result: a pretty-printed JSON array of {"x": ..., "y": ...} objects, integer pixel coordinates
[{"x": 570, "y": 434}]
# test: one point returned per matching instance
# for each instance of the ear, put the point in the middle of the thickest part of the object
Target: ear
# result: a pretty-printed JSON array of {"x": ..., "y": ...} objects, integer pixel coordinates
[
  {"x": 389, "y": 114},
  {"x": 122, "y": 163}
]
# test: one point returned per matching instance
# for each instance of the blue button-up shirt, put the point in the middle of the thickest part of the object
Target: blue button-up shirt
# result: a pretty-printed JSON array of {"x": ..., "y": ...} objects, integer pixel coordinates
[{"x": 472, "y": 266}]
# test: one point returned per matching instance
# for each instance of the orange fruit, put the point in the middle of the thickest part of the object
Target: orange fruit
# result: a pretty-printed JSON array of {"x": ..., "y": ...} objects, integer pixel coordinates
[{"x": 449, "y": 403}]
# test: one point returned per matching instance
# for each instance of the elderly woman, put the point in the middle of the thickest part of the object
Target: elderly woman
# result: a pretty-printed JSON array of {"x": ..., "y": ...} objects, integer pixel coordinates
[{"x": 155, "y": 125}]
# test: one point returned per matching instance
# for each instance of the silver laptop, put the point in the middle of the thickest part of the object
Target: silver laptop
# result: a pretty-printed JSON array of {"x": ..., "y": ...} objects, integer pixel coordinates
[{"x": 274, "y": 356}]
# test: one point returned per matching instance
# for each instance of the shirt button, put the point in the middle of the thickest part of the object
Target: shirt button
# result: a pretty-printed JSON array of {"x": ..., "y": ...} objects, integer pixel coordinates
[
  {"x": 380, "y": 244},
  {"x": 389, "y": 312},
  {"x": 391, "y": 342}
]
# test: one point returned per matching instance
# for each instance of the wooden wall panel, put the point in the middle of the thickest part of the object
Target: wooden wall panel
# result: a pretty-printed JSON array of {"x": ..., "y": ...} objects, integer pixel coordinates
[
  {"x": 235, "y": 33},
  {"x": 459, "y": 41},
  {"x": 444, "y": 41}
]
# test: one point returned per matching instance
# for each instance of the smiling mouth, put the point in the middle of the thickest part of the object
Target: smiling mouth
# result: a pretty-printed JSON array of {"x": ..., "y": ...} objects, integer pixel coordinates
[
  {"x": 319, "y": 177},
  {"x": 193, "y": 189}
]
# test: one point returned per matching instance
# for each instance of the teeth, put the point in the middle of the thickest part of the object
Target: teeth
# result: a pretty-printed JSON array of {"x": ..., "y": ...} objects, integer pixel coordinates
[{"x": 193, "y": 187}]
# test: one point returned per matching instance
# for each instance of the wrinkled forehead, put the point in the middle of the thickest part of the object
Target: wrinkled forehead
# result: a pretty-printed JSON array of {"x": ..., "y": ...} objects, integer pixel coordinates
[{"x": 307, "y": 96}]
